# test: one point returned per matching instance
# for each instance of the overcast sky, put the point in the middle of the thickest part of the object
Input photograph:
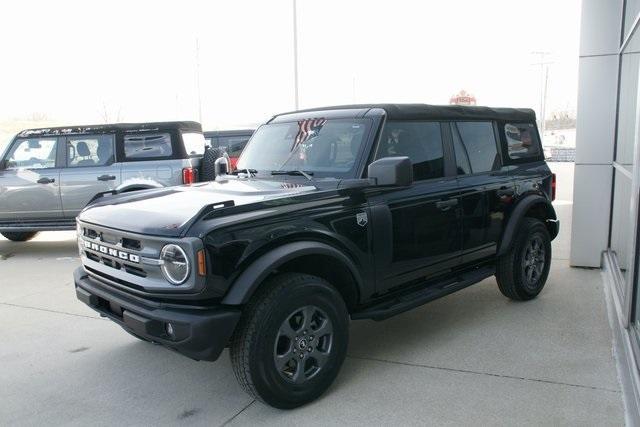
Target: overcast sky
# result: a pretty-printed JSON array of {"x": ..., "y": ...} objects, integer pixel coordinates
[{"x": 71, "y": 61}]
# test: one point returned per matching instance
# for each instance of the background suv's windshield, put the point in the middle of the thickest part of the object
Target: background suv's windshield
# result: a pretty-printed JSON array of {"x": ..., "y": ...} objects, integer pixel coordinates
[{"x": 317, "y": 145}]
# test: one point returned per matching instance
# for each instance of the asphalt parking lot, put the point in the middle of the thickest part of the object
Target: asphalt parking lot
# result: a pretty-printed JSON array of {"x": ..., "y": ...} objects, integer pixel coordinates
[{"x": 470, "y": 358}]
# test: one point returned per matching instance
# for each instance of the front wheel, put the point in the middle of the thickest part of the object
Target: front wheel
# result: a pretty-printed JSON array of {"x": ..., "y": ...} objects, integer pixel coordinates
[
  {"x": 19, "y": 236},
  {"x": 291, "y": 340},
  {"x": 522, "y": 272}
]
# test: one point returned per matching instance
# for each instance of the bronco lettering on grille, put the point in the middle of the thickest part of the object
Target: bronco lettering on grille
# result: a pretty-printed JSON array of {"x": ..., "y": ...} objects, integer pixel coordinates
[{"x": 112, "y": 252}]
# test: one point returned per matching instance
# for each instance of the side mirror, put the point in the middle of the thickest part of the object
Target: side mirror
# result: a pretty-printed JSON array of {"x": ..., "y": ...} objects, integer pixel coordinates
[
  {"x": 222, "y": 165},
  {"x": 391, "y": 171},
  {"x": 3, "y": 164}
]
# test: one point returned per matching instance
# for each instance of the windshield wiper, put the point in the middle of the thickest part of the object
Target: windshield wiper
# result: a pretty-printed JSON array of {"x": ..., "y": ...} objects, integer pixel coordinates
[
  {"x": 298, "y": 172},
  {"x": 249, "y": 172}
]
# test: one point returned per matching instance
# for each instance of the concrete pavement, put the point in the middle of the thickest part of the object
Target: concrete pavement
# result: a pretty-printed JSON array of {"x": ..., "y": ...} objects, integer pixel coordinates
[{"x": 470, "y": 358}]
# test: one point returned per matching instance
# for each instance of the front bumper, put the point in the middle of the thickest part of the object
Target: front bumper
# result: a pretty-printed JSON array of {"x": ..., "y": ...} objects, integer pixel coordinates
[{"x": 198, "y": 333}]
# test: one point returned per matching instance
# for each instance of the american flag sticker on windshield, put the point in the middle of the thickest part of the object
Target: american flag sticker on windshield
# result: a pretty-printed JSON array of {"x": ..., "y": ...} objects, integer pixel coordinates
[{"x": 307, "y": 129}]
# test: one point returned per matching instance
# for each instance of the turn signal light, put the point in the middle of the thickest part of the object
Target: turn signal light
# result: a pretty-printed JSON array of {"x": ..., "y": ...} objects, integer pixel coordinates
[
  {"x": 189, "y": 175},
  {"x": 202, "y": 265},
  {"x": 553, "y": 186}
]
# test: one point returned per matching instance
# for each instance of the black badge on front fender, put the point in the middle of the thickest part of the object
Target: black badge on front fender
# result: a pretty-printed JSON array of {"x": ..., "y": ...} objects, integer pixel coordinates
[{"x": 362, "y": 219}]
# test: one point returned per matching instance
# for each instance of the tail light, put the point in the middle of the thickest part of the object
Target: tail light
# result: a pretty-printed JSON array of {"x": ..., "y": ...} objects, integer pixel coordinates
[
  {"x": 189, "y": 175},
  {"x": 233, "y": 161},
  {"x": 553, "y": 186}
]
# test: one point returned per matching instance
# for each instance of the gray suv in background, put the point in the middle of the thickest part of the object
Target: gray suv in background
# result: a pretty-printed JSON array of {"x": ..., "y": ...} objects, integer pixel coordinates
[{"x": 47, "y": 176}]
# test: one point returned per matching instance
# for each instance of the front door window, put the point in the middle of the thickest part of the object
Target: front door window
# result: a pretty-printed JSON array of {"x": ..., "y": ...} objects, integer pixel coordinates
[{"x": 32, "y": 153}]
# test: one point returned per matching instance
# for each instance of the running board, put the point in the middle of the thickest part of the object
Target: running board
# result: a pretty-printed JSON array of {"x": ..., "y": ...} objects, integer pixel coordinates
[
  {"x": 424, "y": 295},
  {"x": 39, "y": 225}
]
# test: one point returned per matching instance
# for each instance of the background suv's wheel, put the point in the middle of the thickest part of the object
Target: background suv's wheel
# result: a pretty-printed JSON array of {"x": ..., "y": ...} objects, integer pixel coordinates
[
  {"x": 19, "y": 236},
  {"x": 523, "y": 271},
  {"x": 291, "y": 340}
]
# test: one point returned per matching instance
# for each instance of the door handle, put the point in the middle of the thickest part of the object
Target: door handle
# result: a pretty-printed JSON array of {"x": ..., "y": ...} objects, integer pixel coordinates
[
  {"x": 106, "y": 177},
  {"x": 445, "y": 205},
  {"x": 45, "y": 180}
]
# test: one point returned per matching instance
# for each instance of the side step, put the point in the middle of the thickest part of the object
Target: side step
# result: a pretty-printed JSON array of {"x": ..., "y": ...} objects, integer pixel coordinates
[
  {"x": 39, "y": 225},
  {"x": 433, "y": 291}
]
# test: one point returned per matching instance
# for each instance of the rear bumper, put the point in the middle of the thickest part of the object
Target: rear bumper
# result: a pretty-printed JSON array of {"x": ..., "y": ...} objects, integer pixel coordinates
[{"x": 200, "y": 334}]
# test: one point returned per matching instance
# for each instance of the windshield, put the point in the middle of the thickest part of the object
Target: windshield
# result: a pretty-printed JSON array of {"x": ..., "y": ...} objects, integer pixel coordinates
[{"x": 317, "y": 146}]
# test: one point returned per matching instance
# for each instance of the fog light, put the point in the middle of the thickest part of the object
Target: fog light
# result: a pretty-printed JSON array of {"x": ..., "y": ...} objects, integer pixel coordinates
[{"x": 169, "y": 329}]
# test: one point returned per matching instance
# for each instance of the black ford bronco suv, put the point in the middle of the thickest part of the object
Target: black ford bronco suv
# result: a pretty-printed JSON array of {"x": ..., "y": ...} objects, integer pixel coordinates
[{"x": 350, "y": 212}]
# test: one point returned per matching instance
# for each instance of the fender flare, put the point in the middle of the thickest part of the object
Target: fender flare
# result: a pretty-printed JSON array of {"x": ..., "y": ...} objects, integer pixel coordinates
[
  {"x": 518, "y": 214},
  {"x": 250, "y": 279},
  {"x": 137, "y": 185}
]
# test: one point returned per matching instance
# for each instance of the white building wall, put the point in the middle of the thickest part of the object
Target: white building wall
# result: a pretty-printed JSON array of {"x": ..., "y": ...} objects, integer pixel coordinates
[{"x": 595, "y": 134}]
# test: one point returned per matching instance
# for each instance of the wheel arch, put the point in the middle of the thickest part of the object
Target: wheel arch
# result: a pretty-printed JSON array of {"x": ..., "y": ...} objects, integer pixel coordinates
[
  {"x": 136, "y": 185},
  {"x": 309, "y": 257},
  {"x": 532, "y": 206}
]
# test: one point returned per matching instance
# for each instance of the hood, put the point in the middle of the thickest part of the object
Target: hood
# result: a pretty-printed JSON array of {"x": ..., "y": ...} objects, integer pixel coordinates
[{"x": 170, "y": 211}]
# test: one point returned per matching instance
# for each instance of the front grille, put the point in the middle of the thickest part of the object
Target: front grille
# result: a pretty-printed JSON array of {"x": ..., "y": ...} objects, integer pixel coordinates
[
  {"x": 112, "y": 239},
  {"x": 112, "y": 250},
  {"x": 126, "y": 259},
  {"x": 131, "y": 244}
]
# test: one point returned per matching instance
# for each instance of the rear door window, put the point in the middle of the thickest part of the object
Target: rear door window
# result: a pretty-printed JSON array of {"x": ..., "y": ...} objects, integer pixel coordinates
[
  {"x": 522, "y": 140},
  {"x": 94, "y": 150},
  {"x": 420, "y": 141},
  {"x": 147, "y": 146},
  {"x": 475, "y": 147}
]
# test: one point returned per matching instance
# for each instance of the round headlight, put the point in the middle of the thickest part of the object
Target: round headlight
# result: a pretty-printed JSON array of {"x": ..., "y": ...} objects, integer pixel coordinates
[{"x": 175, "y": 264}]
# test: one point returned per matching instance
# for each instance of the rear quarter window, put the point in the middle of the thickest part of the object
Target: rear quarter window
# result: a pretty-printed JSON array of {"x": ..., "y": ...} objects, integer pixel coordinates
[
  {"x": 522, "y": 141},
  {"x": 147, "y": 146}
]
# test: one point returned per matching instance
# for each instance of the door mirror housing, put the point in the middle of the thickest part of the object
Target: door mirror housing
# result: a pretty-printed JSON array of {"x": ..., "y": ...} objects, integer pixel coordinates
[
  {"x": 391, "y": 171},
  {"x": 222, "y": 165}
]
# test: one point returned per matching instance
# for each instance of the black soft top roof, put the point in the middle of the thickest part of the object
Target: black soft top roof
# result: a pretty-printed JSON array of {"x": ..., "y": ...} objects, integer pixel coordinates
[
  {"x": 429, "y": 112},
  {"x": 109, "y": 128},
  {"x": 232, "y": 132}
]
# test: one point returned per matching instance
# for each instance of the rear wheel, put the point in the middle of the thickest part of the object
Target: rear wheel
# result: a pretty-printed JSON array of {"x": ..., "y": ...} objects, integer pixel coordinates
[
  {"x": 291, "y": 340},
  {"x": 523, "y": 271},
  {"x": 19, "y": 236}
]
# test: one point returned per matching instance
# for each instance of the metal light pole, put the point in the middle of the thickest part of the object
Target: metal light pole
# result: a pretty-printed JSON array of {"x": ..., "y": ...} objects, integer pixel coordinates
[
  {"x": 544, "y": 77},
  {"x": 198, "y": 80},
  {"x": 295, "y": 55}
]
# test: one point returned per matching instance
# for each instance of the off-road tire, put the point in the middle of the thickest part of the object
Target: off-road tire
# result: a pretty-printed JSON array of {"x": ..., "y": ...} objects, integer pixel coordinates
[
  {"x": 510, "y": 271},
  {"x": 254, "y": 343},
  {"x": 208, "y": 163},
  {"x": 19, "y": 236}
]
